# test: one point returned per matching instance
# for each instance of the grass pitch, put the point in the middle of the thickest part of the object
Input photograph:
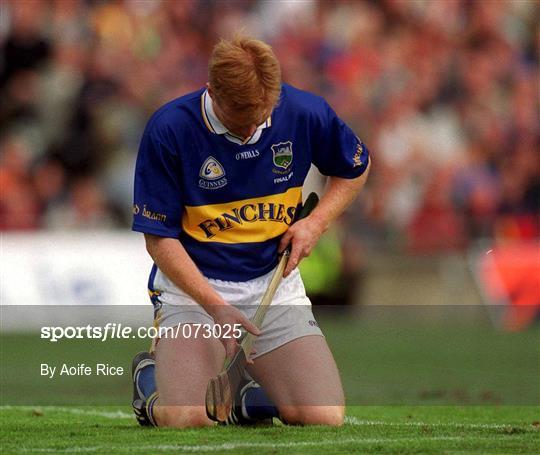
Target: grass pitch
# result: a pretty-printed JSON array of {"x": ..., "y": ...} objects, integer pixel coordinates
[
  {"x": 411, "y": 388},
  {"x": 378, "y": 429}
]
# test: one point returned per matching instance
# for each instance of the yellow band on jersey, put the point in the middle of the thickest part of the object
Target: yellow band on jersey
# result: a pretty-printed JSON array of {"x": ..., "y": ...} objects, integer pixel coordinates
[{"x": 246, "y": 221}]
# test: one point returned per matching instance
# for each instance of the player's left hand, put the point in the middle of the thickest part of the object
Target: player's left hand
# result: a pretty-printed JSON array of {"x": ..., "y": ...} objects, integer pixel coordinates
[{"x": 302, "y": 236}]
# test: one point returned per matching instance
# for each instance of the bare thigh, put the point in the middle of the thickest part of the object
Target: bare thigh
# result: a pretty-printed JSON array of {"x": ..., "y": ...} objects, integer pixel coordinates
[
  {"x": 183, "y": 368},
  {"x": 302, "y": 379}
]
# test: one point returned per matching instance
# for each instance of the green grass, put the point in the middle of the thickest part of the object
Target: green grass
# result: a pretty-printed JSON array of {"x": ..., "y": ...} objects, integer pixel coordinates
[
  {"x": 379, "y": 429},
  {"x": 411, "y": 386}
]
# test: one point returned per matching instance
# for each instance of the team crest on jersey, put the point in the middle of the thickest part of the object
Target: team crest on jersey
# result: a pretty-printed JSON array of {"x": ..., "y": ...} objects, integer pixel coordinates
[
  {"x": 282, "y": 154},
  {"x": 212, "y": 174}
]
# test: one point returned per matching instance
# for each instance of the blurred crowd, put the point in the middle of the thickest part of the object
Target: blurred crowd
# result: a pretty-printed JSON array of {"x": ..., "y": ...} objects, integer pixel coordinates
[{"x": 444, "y": 93}]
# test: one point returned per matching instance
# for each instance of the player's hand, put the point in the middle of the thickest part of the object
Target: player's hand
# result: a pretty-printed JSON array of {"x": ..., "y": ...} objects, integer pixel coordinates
[
  {"x": 302, "y": 236},
  {"x": 227, "y": 315}
]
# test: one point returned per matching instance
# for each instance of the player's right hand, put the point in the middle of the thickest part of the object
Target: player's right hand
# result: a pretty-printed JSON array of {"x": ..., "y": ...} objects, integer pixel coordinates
[{"x": 227, "y": 315}]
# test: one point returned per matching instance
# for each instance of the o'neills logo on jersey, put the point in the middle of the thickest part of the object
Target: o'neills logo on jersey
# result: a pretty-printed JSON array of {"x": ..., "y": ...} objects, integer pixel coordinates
[
  {"x": 248, "y": 213},
  {"x": 212, "y": 174},
  {"x": 245, "y": 221}
]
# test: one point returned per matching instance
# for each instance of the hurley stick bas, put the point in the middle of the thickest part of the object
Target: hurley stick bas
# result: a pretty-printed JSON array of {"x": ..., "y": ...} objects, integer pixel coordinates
[{"x": 221, "y": 390}]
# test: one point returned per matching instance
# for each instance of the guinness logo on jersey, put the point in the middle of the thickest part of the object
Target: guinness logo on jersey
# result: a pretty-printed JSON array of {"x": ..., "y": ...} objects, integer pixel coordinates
[
  {"x": 212, "y": 174},
  {"x": 282, "y": 154}
]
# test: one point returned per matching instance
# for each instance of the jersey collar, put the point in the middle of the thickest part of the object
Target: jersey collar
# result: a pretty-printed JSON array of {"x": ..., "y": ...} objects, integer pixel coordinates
[{"x": 215, "y": 126}]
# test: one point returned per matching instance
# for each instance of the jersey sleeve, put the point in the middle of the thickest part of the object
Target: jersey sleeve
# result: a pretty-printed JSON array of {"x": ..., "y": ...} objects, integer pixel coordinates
[
  {"x": 337, "y": 150},
  {"x": 157, "y": 207}
]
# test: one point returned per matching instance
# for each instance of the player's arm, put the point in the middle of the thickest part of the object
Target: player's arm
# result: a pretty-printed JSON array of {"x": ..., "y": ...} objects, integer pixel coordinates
[
  {"x": 158, "y": 189},
  {"x": 338, "y": 153},
  {"x": 304, "y": 235},
  {"x": 173, "y": 260}
]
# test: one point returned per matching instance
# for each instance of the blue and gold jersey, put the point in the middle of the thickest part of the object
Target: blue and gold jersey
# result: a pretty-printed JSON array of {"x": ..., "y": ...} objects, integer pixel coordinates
[{"x": 228, "y": 201}]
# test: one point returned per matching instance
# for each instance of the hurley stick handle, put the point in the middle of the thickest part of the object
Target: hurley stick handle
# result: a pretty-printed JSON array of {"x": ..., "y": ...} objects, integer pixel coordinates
[
  {"x": 247, "y": 343},
  {"x": 311, "y": 202},
  {"x": 221, "y": 389}
]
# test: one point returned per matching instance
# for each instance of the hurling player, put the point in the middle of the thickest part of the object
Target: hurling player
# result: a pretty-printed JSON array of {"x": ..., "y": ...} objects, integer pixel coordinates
[{"x": 218, "y": 182}]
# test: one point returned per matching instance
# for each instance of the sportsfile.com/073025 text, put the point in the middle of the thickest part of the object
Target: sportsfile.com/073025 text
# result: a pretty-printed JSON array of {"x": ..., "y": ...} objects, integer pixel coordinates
[{"x": 113, "y": 330}]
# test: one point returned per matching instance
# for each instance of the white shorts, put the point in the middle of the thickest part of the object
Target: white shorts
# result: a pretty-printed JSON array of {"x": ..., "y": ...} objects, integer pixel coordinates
[{"x": 288, "y": 318}]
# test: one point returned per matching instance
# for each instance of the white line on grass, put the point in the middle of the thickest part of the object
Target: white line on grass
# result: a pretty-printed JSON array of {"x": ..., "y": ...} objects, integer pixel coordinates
[
  {"x": 78, "y": 411},
  {"x": 355, "y": 421},
  {"x": 247, "y": 445},
  {"x": 349, "y": 420}
]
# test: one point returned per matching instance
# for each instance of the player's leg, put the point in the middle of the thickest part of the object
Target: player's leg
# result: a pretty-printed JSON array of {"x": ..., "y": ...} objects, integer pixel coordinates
[
  {"x": 170, "y": 384},
  {"x": 144, "y": 386},
  {"x": 176, "y": 399},
  {"x": 172, "y": 394},
  {"x": 313, "y": 381},
  {"x": 183, "y": 368},
  {"x": 302, "y": 379}
]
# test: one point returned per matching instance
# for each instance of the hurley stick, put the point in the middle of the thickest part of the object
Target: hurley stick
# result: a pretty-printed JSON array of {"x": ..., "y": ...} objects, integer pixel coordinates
[{"x": 221, "y": 389}]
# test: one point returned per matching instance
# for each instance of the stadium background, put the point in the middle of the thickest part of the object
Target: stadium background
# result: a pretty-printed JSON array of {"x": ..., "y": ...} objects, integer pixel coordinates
[{"x": 444, "y": 93}]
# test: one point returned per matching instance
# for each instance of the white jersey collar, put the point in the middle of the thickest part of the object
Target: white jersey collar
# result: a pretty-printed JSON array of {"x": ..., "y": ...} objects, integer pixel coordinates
[{"x": 215, "y": 126}]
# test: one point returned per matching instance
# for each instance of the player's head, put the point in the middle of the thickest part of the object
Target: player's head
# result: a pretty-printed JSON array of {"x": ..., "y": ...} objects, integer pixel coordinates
[{"x": 244, "y": 83}]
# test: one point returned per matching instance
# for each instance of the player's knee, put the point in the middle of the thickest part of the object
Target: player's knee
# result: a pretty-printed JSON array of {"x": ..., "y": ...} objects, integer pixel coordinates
[
  {"x": 313, "y": 415},
  {"x": 182, "y": 417}
]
